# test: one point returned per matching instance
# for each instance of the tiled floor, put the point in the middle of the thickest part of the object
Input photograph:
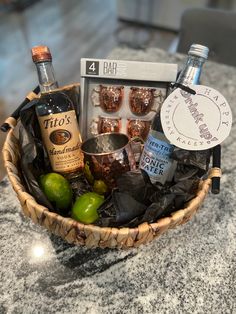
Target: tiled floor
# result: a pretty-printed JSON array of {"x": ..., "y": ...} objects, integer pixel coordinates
[{"x": 72, "y": 29}]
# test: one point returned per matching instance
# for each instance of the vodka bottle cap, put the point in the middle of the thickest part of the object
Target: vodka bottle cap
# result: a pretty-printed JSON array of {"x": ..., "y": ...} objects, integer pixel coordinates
[{"x": 41, "y": 53}]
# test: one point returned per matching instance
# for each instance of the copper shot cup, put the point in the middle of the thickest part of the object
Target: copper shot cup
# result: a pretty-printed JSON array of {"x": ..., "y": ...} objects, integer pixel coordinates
[
  {"x": 137, "y": 128},
  {"x": 109, "y": 98},
  {"x": 108, "y": 155},
  {"x": 105, "y": 125},
  {"x": 142, "y": 100},
  {"x": 108, "y": 125}
]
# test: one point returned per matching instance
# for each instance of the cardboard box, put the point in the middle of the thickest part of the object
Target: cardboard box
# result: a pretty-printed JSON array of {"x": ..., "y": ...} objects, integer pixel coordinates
[{"x": 117, "y": 93}]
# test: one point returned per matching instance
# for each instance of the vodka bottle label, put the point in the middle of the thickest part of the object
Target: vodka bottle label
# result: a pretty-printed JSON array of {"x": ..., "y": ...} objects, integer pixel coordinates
[{"x": 62, "y": 139}]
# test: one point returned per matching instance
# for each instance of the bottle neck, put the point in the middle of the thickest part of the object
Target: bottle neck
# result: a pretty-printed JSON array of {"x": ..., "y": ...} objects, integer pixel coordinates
[
  {"x": 46, "y": 76},
  {"x": 192, "y": 71}
]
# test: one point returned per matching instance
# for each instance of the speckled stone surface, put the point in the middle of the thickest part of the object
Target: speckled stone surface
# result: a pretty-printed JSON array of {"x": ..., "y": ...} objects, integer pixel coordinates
[{"x": 191, "y": 269}]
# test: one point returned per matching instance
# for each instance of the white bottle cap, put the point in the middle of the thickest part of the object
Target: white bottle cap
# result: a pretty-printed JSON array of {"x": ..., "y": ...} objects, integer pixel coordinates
[{"x": 199, "y": 50}]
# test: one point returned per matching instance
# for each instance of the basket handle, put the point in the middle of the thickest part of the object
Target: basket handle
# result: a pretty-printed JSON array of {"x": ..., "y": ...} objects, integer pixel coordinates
[
  {"x": 216, "y": 163},
  {"x": 11, "y": 121},
  {"x": 215, "y": 172}
]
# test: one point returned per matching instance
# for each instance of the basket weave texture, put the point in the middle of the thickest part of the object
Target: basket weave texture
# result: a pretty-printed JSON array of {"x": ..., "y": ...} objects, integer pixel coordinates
[{"x": 91, "y": 235}]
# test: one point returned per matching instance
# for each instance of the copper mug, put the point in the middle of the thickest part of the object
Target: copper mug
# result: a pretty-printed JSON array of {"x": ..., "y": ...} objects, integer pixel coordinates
[
  {"x": 108, "y": 155},
  {"x": 105, "y": 125},
  {"x": 109, "y": 98},
  {"x": 142, "y": 100},
  {"x": 137, "y": 128}
]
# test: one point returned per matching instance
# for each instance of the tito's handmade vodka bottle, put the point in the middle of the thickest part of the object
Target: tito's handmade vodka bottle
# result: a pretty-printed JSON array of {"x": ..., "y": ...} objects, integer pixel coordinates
[
  {"x": 155, "y": 158},
  {"x": 57, "y": 119}
]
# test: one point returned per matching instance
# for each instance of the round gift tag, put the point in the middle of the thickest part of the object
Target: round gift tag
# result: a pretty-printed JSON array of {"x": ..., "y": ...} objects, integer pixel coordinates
[{"x": 196, "y": 121}]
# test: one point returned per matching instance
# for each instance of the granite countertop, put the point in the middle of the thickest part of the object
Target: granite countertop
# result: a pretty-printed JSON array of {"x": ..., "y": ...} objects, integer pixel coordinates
[{"x": 191, "y": 269}]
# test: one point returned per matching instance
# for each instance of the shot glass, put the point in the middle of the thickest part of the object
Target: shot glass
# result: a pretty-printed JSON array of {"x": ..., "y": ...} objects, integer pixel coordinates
[
  {"x": 105, "y": 125},
  {"x": 142, "y": 100},
  {"x": 109, "y": 98},
  {"x": 137, "y": 128}
]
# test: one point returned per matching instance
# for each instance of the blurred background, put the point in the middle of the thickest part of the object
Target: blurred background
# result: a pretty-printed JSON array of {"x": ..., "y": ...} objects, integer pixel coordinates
[{"x": 92, "y": 28}]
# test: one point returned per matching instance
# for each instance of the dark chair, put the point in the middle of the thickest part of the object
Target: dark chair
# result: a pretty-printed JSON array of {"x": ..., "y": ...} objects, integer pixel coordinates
[{"x": 213, "y": 28}]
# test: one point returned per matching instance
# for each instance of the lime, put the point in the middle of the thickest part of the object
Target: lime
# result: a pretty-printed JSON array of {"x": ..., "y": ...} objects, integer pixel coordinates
[
  {"x": 100, "y": 187},
  {"x": 85, "y": 207},
  {"x": 57, "y": 189}
]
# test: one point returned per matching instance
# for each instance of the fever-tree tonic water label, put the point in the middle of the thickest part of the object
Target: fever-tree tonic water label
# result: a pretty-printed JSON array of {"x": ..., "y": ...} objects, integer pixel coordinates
[{"x": 155, "y": 159}]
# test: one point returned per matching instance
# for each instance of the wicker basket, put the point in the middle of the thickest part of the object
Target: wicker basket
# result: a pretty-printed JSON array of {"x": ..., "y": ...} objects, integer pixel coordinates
[{"x": 91, "y": 235}]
